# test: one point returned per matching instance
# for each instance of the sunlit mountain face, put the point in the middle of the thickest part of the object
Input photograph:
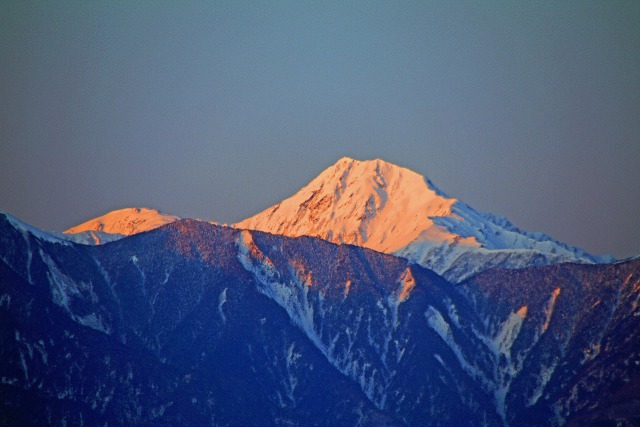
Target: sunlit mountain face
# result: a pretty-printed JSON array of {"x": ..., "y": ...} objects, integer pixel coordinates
[
  {"x": 394, "y": 210},
  {"x": 116, "y": 224},
  {"x": 196, "y": 324}
]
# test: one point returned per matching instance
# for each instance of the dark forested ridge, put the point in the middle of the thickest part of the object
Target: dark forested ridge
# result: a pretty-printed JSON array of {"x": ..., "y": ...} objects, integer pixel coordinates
[{"x": 197, "y": 324}]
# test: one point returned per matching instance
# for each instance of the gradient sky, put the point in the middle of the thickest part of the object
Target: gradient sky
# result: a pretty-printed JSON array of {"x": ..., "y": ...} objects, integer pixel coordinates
[{"x": 217, "y": 110}]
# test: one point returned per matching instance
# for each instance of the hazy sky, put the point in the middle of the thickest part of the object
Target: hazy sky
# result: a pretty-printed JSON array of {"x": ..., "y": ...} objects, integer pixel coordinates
[{"x": 217, "y": 110}]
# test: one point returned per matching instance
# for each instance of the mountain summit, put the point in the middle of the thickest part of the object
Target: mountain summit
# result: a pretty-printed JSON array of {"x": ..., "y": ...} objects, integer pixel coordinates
[
  {"x": 373, "y": 204},
  {"x": 116, "y": 225},
  {"x": 379, "y": 206},
  {"x": 391, "y": 209},
  {"x": 126, "y": 222}
]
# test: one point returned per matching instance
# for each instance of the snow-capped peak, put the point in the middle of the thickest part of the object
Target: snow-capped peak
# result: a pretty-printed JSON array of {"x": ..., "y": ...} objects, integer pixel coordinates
[
  {"x": 126, "y": 222},
  {"x": 373, "y": 204},
  {"x": 392, "y": 209}
]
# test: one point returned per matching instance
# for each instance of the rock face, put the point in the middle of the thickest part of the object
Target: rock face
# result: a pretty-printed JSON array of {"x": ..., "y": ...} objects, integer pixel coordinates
[
  {"x": 390, "y": 209},
  {"x": 196, "y": 324}
]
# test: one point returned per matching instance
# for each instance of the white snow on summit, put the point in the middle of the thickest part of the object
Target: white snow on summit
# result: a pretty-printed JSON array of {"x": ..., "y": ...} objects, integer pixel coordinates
[
  {"x": 124, "y": 222},
  {"x": 392, "y": 209}
]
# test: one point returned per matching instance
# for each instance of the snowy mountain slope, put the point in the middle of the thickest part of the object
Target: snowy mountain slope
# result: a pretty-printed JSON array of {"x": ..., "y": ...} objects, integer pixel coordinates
[
  {"x": 118, "y": 223},
  {"x": 203, "y": 325},
  {"x": 394, "y": 210}
]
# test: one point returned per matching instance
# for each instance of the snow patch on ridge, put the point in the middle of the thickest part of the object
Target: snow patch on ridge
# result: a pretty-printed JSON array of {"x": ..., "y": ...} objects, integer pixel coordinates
[
  {"x": 407, "y": 283},
  {"x": 439, "y": 325},
  {"x": 548, "y": 309},
  {"x": 293, "y": 297},
  {"x": 503, "y": 341},
  {"x": 222, "y": 299},
  {"x": 27, "y": 229},
  {"x": 89, "y": 237},
  {"x": 64, "y": 289}
]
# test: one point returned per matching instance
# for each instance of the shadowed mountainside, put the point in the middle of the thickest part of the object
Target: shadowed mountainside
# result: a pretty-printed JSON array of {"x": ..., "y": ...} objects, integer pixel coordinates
[{"x": 193, "y": 323}]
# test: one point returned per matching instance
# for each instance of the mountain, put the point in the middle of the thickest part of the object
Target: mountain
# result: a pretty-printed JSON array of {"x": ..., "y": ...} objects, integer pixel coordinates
[
  {"x": 390, "y": 209},
  {"x": 122, "y": 222},
  {"x": 197, "y": 324},
  {"x": 380, "y": 206},
  {"x": 126, "y": 222}
]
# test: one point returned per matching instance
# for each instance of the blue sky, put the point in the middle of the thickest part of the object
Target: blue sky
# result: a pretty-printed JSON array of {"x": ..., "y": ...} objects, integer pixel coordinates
[{"x": 217, "y": 110}]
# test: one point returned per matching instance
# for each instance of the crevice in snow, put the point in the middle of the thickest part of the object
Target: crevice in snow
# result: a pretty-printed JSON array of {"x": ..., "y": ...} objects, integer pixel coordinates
[
  {"x": 5, "y": 299},
  {"x": 594, "y": 348},
  {"x": 290, "y": 381},
  {"x": 442, "y": 328},
  {"x": 222, "y": 298},
  {"x": 111, "y": 287},
  {"x": 134, "y": 260},
  {"x": 500, "y": 345},
  {"x": 63, "y": 288},
  {"x": 542, "y": 379},
  {"x": 25, "y": 369}
]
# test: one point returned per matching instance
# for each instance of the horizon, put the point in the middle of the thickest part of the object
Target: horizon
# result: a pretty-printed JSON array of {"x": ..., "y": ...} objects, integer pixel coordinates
[{"x": 219, "y": 111}]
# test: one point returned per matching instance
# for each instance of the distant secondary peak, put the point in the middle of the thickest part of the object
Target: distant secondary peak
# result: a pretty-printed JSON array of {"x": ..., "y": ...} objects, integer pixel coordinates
[{"x": 125, "y": 221}]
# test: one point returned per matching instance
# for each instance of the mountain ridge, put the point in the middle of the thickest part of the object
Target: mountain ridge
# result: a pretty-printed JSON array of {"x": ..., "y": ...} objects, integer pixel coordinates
[
  {"x": 201, "y": 324},
  {"x": 391, "y": 209},
  {"x": 384, "y": 207}
]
